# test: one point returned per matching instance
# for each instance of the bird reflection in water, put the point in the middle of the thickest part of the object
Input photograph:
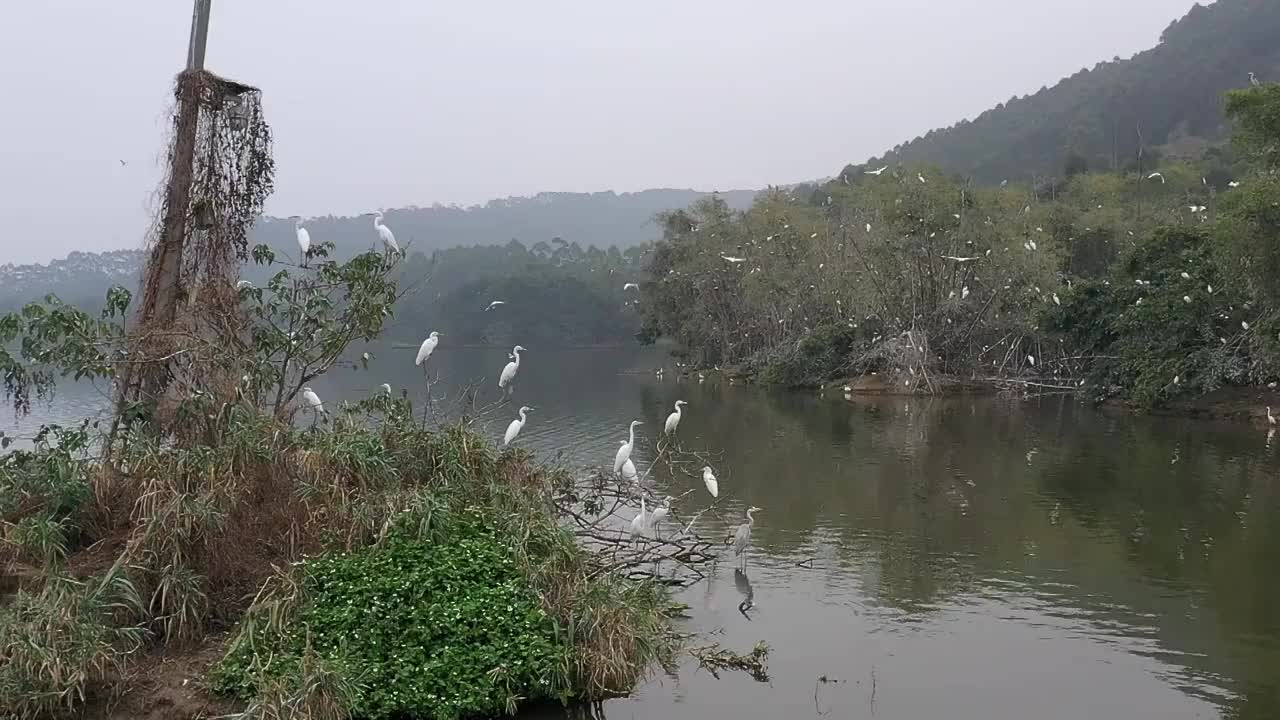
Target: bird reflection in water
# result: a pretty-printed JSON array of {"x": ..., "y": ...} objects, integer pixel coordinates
[{"x": 743, "y": 584}]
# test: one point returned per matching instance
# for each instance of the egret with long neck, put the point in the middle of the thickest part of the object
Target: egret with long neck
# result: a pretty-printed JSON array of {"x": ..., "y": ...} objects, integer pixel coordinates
[
  {"x": 673, "y": 420},
  {"x": 508, "y": 375},
  {"x": 624, "y": 452}
]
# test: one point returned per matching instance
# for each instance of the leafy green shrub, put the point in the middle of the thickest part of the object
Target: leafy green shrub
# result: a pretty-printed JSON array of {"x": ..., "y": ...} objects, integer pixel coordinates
[
  {"x": 819, "y": 356},
  {"x": 42, "y": 490},
  {"x": 440, "y": 629}
]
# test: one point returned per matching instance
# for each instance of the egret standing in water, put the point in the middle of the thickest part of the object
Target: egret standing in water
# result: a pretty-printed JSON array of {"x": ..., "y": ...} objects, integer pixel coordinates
[
  {"x": 1271, "y": 419},
  {"x": 387, "y": 237},
  {"x": 304, "y": 238},
  {"x": 709, "y": 479},
  {"x": 508, "y": 375},
  {"x": 742, "y": 536},
  {"x": 628, "y": 467},
  {"x": 624, "y": 452},
  {"x": 673, "y": 420},
  {"x": 639, "y": 521},
  {"x": 428, "y": 347},
  {"x": 516, "y": 426}
]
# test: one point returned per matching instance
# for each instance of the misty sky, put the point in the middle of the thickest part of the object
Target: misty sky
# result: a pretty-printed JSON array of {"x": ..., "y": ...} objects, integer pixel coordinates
[{"x": 384, "y": 103}]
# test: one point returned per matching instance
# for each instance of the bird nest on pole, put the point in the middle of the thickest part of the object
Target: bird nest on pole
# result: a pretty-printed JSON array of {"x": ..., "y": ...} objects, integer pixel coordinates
[{"x": 220, "y": 172}]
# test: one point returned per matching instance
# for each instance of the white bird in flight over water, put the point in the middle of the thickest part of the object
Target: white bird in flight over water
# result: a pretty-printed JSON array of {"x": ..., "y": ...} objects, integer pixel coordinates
[
  {"x": 742, "y": 536},
  {"x": 387, "y": 237},
  {"x": 428, "y": 347},
  {"x": 304, "y": 238},
  {"x": 709, "y": 479},
  {"x": 673, "y": 420},
  {"x": 515, "y": 427},
  {"x": 876, "y": 172},
  {"x": 630, "y": 286},
  {"x": 628, "y": 467},
  {"x": 313, "y": 400},
  {"x": 1155, "y": 175},
  {"x": 624, "y": 452},
  {"x": 495, "y": 304},
  {"x": 509, "y": 372}
]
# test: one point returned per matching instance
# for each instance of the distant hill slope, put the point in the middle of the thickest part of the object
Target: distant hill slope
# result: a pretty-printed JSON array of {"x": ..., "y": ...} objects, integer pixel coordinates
[
  {"x": 1168, "y": 93},
  {"x": 603, "y": 219}
]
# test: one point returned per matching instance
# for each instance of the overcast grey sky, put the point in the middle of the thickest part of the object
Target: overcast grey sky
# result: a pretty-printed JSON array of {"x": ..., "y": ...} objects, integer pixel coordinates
[{"x": 384, "y": 103}]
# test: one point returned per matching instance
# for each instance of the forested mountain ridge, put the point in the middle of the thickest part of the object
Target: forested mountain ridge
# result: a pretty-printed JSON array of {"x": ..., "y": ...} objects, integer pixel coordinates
[{"x": 1168, "y": 95}]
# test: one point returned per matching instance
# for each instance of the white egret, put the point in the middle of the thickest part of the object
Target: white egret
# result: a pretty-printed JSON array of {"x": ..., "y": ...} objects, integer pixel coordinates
[
  {"x": 964, "y": 292},
  {"x": 630, "y": 286},
  {"x": 1186, "y": 299},
  {"x": 495, "y": 304},
  {"x": 304, "y": 238},
  {"x": 1186, "y": 275},
  {"x": 624, "y": 452},
  {"x": 876, "y": 172},
  {"x": 673, "y": 420},
  {"x": 709, "y": 479},
  {"x": 244, "y": 285},
  {"x": 920, "y": 177},
  {"x": 734, "y": 260},
  {"x": 1155, "y": 175},
  {"x": 660, "y": 513},
  {"x": 742, "y": 536},
  {"x": 1270, "y": 418},
  {"x": 1254, "y": 81},
  {"x": 628, "y": 467},
  {"x": 516, "y": 426},
  {"x": 386, "y": 388},
  {"x": 1031, "y": 359},
  {"x": 1244, "y": 324},
  {"x": 1056, "y": 299},
  {"x": 639, "y": 521},
  {"x": 1233, "y": 184},
  {"x": 313, "y": 400},
  {"x": 868, "y": 227},
  {"x": 508, "y": 375},
  {"x": 428, "y": 347},
  {"x": 387, "y": 237}
]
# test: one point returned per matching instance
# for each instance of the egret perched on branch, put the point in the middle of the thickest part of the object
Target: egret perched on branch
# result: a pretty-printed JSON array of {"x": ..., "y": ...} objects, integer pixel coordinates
[
  {"x": 742, "y": 536},
  {"x": 673, "y": 420},
  {"x": 516, "y": 426},
  {"x": 660, "y": 513},
  {"x": 639, "y": 521},
  {"x": 428, "y": 347},
  {"x": 387, "y": 237},
  {"x": 385, "y": 388},
  {"x": 876, "y": 172},
  {"x": 1254, "y": 81},
  {"x": 624, "y": 452},
  {"x": 495, "y": 304},
  {"x": 630, "y": 286},
  {"x": 709, "y": 479},
  {"x": 304, "y": 238},
  {"x": 508, "y": 375},
  {"x": 628, "y": 467},
  {"x": 313, "y": 400}
]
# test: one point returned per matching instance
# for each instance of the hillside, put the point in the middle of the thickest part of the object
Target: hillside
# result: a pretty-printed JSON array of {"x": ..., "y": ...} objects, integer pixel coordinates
[
  {"x": 1170, "y": 95},
  {"x": 603, "y": 219}
]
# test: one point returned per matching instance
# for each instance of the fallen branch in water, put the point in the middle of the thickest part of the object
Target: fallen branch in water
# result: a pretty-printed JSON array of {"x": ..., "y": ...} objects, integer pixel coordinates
[{"x": 714, "y": 658}]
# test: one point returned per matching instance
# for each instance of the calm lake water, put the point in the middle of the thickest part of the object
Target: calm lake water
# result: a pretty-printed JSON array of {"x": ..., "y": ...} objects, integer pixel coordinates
[{"x": 968, "y": 559}]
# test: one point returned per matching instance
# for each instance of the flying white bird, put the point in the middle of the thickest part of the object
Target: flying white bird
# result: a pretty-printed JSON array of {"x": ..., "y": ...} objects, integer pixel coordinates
[
  {"x": 385, "y": 235},
  {"x": 624, "y": 452},
  {"x": 428, "y": 347},
  {"x": 304, "y": 238},
  {"x": 1155, "y": 175},
  {"x": 630, "y": 286},
  {"x": 876, "y": 172},
  {"x": 495, "y": 304},
  {"x": 673, "y": 420},
  {"x": 1254, "y": 81},
  {"x": 959, "y": 259},
  {"x": 516, "y": 426},
  {"x": 313, "y": 400},
  {"x": 726, "y": 258},
  {"x": 509, "y": 372},
  {"x": 709, "y": 479}
]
